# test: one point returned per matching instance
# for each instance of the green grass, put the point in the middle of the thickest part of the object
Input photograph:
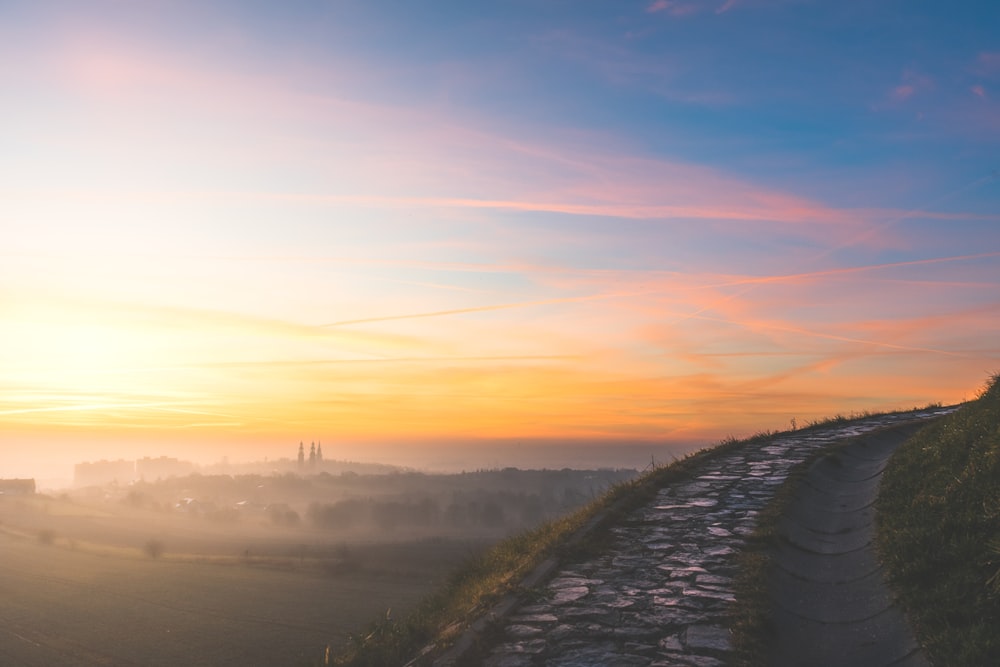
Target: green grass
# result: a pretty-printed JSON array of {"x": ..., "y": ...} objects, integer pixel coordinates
[
  {"x": 751, "y": 614},
  {"x": 485, "y": 579},
  {"x": 939, "y": 532}
]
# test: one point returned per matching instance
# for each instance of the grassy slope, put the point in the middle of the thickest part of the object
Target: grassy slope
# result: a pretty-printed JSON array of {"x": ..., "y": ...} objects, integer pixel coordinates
[
  {"x": 485, "y": 579},
  {"x": 475, "y": 587},
  {"x": 939, "y": 532}
]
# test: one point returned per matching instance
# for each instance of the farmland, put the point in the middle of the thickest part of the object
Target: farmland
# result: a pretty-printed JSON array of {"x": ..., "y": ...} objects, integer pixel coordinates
[
  {"x": 83, "y": 607},
  {"x": 183, "y": 572}
]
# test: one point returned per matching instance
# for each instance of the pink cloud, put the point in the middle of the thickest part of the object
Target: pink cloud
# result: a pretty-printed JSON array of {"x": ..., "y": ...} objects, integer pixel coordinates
[
  {"x": 679, "y": 9},
  {"x": 903, "y": 92},
  {"x": 978, "y": 91},
  {"x": 988, "y": 63},
  {"x": 673, "y": 8},
  {"x": 377, "y": 155},
  {"x": 911, "y": 83},
  {"x": 729, "y": 4}
]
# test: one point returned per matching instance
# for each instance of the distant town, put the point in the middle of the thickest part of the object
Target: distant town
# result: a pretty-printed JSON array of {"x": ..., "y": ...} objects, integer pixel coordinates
[
  {"x": 152, "y": 469},
  {"x": 148, "y": 469}
]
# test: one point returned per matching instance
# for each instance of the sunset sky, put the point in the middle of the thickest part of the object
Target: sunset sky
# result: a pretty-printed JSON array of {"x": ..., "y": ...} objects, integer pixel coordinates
[{"x": 226, "y": 227}]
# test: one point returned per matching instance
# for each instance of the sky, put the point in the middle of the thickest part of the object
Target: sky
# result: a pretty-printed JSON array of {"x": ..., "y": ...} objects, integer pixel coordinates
[{"x": 227, "y": 227}]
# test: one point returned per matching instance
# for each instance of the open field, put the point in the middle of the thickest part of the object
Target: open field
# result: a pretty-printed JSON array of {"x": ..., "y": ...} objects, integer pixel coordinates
[
  {"x": 77, "y": 587},
  {"x": 211, "y": 570},
  {"x": 58, "y": 606}
]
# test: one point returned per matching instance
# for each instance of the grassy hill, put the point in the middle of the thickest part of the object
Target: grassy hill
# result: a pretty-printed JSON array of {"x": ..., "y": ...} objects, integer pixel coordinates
[
  {"x": 940, "y": 537},
  {"x": 487, "y": 578},
  {"x": 939, "y": 532}
]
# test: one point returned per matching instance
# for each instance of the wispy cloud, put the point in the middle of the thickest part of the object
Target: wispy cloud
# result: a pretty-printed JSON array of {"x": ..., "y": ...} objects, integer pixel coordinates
[
  {"x": 673, "y": 7},
  {"x": 727, "y": 5}
]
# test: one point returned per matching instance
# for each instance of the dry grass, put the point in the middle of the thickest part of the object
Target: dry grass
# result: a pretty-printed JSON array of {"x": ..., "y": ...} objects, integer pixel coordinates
[{"x": 482, "y": 581}]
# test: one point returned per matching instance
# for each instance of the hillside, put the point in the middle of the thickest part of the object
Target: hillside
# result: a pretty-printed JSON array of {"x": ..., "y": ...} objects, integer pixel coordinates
[{"x": 939, "y": 537}]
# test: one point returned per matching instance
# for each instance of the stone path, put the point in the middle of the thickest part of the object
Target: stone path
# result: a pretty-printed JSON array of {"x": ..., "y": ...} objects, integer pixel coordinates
[{"x": 659, "y": 595}]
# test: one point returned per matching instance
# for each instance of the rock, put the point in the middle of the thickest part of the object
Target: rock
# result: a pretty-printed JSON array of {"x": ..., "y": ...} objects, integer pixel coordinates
[
  {"x": 707, "y": 638},
  {"x": 569, "y": 594},
  {"x": 523, "y": 631}
]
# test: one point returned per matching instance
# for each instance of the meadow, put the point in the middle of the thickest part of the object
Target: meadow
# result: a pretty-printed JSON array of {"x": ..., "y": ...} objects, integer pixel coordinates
[
  {"x": 69, "y": 602},
  {"x": 182, "y": 571}
]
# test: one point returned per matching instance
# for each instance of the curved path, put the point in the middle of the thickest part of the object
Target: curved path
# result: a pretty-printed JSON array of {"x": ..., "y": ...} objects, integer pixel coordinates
[
  {"x": 660, "y": 594},
  {"x": 830, "y": 604}
]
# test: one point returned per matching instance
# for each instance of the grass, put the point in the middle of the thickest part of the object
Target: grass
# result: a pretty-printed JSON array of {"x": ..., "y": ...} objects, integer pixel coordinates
[
  {"x": 751, "y": 614},
  {"x": 939, "y": 532},
  {"x": 440, "y": 618}
]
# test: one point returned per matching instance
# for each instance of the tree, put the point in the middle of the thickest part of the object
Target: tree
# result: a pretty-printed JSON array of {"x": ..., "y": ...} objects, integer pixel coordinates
[{"x": 154, "y": 548}]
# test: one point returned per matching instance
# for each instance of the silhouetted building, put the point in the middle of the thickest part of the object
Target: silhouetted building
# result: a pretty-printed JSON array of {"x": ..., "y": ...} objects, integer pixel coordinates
[
  {"x": 312, "y": 455},
  {"x": 319, "y": 454},
  {"x": 302, "y": 456},
  {"x": 104, "y": 472},
  {"x": 17, "y": 487},
  {"x": 150, "y": 469}
]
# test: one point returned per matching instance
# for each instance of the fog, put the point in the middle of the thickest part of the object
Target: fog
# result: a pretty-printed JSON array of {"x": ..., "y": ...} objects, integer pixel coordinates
[
  {"x": 51, "y": 460},
  {"x": 286, "y": 562}
]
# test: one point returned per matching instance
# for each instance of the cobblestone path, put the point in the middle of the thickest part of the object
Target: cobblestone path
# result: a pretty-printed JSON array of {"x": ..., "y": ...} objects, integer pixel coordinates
[{"x": 659, "y": 595}]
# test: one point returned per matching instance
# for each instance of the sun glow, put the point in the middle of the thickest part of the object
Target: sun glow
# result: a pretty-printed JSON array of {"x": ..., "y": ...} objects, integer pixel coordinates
[{"x": 248, "y": 232}]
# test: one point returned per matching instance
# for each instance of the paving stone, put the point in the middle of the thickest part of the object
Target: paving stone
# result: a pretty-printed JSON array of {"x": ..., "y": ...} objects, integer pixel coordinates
[
  {"x": 535, "y": 618},
  {"x": 660, "y": 594},
  {"x": 531, "y": 647},
  {"x": 518, "y": 631},
  {"x": 700, "y": 638},
  {"x": 509, "y": 660},
  {"x": 569, "y": 594}
]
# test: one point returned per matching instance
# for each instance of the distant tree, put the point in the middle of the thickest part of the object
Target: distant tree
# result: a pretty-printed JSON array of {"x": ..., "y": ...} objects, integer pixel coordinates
[
  {"x": 154, "y": 548},
  {"x": 492, "y": 514},
  {"x": 283, "y": 515},
  {"x": 457, "y": 513},
  {"x": 302, "y": 456},
  {"x": 340, "y": 515}
]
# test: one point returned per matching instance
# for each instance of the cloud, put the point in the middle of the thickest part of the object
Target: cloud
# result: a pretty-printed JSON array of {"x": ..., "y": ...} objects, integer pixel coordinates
[
  {"x": 903, "y": 92},
  {"x": 988, "y": 63},
  {"x": 680, "y": 9},
  {"x": 727, "y": 5},
  {"x": 422, "y": 156},
  {"x": 673, "y": 8},
  {"x": 979, "y": 91},
  {"x": 911, "y": 83}
]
